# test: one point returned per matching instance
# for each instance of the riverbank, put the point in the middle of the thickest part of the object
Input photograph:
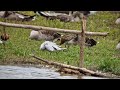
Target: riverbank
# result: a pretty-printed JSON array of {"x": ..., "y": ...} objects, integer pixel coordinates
[{"x": 102, "y": 57}]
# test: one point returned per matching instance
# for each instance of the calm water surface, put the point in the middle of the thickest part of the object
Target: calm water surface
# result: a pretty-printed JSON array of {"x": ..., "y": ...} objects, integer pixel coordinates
[{"x": 29, "y": 72}]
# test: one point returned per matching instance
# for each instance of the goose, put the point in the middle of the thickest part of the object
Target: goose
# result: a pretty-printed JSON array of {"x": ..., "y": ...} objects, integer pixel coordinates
[
  {"x": 44, "y": 35},
  {"x": 3, "y": 38},
  {"x": 90, "y": 42},
  {"x": 12, "y": 15},
  {"x": 59, "y": 16},
  {"x": 50, "y": 46},
  {"x": 71, "y": 12},
  {"x": 118, "y": 46},
  {"x": 85, "y": 13},
  {"x": 2, "y": 14},
  {"x": 48, "y": 13},
  {"x": 63, "y": 16},
  {"x": 69, "y": 39},
  {"x": 65, "y": 12}
]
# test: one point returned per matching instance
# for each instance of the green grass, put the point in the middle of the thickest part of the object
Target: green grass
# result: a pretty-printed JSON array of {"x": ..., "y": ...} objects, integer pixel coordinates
[{"x": 102, "y": 57}]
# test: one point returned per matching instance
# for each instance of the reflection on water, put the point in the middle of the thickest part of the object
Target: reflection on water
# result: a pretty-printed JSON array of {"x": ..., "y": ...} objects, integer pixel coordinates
[{"x": 20, "y": 72}]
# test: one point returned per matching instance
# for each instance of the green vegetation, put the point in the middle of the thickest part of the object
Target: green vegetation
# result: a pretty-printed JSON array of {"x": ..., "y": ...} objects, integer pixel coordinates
[{"x": 102, "y": 57}]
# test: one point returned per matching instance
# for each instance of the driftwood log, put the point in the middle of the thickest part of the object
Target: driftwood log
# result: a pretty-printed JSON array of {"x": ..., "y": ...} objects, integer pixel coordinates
[
  {"x": 52, "y": 29},
  {"x": 81, "y": 70}
]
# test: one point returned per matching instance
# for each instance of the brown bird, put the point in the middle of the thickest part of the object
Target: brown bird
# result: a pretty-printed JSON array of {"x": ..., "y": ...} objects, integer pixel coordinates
[
  {"x": 68, "y": 39},
  {"x": 74, "y": 40},
  {"x": 60, "y": 16},
  {"x": 12, "y": 15},
  {"x": 4, "y": 37}
]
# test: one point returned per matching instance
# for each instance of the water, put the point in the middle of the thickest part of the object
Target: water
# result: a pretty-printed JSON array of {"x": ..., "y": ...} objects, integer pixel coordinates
[{"x": 29, "y": 72}]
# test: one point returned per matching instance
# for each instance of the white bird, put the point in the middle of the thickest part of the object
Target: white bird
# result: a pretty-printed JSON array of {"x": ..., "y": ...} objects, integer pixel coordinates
[
  {"x": 50, "y": 46},
  {"x": 118, "y": 46},
  {"x": 1, "y": 42},
  {"x": 117, "y": 21}
]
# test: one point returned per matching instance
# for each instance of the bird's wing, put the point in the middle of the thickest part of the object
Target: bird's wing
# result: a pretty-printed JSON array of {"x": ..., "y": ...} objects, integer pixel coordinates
[
  {"x": 49, "y": 47},
  {"x": 57, "y": 47},
  {"x": 20, "y": 16}
]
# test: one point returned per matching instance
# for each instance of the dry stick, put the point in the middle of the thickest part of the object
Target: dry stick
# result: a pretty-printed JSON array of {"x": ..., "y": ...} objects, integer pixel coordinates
[
  {"x": 52, "y": 29},
  {"x": 81, "y": 70},
  {"x": 4, "y": 33},
  {"x": 82, "y": 42}
]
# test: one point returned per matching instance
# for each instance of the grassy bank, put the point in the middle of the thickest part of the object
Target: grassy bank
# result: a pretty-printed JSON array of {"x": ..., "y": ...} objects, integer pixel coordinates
[{"x": 102, "y": 57}]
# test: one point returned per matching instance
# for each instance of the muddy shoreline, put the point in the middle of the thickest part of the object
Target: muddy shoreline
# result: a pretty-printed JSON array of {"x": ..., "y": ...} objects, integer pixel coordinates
[{"x": 34, "y": 63}]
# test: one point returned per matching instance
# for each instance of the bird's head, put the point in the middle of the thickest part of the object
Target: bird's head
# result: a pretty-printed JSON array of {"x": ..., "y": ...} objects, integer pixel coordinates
[
  {"x": 56, "y": 35},
  {"x": 90, "y": 42}
]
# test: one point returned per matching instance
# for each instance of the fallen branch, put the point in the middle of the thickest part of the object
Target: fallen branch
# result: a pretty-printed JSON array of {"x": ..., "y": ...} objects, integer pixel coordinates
[
  {"x": 52, "y": 29},
  {"x": 81, "y": 70}
]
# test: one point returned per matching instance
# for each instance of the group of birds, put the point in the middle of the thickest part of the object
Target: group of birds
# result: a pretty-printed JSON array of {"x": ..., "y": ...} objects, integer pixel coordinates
[
  {"x": 50, "y": 36},
  {"x": 14, "y": 15},
  {"x": 64, "y": 16}
]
